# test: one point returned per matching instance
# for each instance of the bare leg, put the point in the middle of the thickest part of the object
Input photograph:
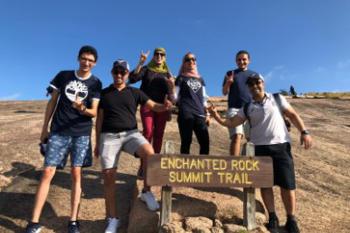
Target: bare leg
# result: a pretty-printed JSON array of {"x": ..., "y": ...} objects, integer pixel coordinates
[
  {"x": 75, "y": 192},
  {"x": 289, "y": 200},
  {"x": 235, "y": 146},
  {"x": 42, "y": 191},
  {"x": 109, "y": 188},
  {"x": 268, "y": 198},
  {"x": 145, "y": 151}
]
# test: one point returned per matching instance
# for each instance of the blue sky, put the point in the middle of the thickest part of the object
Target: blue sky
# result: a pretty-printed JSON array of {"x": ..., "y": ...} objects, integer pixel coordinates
[{"x": 303, "y": 43}]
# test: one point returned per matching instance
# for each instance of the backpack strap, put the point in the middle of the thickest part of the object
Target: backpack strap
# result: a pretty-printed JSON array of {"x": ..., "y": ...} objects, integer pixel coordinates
[{"x": 278, "y": 100}]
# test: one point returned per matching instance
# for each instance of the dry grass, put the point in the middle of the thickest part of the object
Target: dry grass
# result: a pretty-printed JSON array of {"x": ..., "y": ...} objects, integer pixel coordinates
[{"x": 329, "y": 95}]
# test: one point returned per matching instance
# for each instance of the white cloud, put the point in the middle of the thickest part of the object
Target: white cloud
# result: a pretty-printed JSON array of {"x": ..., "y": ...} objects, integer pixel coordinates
[
  {"x": 320, "y": 69},
  {"x": 343, "y": 64},
  {"x": 275, "y": 72},
  {"x": 13, "y": 96}
]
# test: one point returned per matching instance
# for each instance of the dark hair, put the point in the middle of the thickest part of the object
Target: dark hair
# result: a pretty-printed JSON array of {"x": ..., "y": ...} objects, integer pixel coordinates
[
  {"x": 88, "y": 49},
  {"x": 242, "y": 52}
]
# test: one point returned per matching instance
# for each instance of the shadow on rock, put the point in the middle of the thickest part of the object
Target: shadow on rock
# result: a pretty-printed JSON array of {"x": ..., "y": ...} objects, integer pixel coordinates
[
  {"x": 18, "y": 168},
  {"x": 92, "y": 184},
  {"x": 189, "y": 206},
  {"x": 236, "y": 193},
  {"x": 19, "y": 206}
]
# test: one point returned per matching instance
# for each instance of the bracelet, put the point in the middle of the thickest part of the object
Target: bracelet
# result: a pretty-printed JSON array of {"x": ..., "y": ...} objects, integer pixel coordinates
[{"x": 305, "y": 132}]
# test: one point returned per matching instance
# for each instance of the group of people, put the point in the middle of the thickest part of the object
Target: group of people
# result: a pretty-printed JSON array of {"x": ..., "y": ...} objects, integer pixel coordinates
[{"x": 77, "y": 97}]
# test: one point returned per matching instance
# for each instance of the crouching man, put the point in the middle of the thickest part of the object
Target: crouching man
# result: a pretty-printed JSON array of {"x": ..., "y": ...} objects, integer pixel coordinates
[
  {"x": 116, "y": 131},
  {"x": 270, "y": 136}
]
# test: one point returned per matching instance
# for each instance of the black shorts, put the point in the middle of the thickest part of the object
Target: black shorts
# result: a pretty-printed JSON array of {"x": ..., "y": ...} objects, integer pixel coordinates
[{"x": 283, "y": 165}]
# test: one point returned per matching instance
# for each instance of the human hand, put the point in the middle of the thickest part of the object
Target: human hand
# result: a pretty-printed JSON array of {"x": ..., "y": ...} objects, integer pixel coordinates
[
  {"x": 143, "y": 57},
  {"x": 207, "y": 120},
  {"x": 306, "y": 140},
  {"x": 229, "y": 77},
  {"x": 78, "y": 104},
  {"x": 211, "y": 108},
  {"x": 167, "y": 103},
  {"x": 44, "y": 136}
]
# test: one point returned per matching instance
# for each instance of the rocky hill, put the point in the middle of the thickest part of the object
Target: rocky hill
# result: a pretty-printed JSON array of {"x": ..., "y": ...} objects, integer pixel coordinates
[{"x": 323, "y": 174}]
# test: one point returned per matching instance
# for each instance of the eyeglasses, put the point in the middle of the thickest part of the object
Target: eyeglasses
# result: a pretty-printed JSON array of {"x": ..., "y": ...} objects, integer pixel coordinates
[
  {"x": 85, "y": 59},
  {"x": 188, "y": 59},
  {"x": 255, "y": 82},
  {"x": 159, "y": 54},
  {"x": 119, "y": 71}
]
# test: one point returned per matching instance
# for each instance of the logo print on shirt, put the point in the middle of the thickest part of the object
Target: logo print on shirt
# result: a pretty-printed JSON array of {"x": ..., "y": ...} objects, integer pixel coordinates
[
  {"x": 194, "y": 84},
  {"x": 76, "y": 88}
]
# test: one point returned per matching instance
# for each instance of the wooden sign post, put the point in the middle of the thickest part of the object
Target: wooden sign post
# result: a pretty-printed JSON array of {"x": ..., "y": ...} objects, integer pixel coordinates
[
  {"x": 249, "y": 206},
  {"x": 168, "y": 170},
  {"x": 165, "y": 208}
]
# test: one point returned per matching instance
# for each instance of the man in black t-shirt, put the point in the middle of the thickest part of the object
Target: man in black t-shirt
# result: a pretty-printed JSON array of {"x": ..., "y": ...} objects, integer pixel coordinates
[
  {"x": 116, "y": 131},
  {"x": 74, "y": 101}
]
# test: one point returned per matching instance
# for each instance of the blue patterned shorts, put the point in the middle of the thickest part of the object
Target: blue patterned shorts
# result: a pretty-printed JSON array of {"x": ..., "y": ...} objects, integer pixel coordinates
[{"x": 59, "y": 146}]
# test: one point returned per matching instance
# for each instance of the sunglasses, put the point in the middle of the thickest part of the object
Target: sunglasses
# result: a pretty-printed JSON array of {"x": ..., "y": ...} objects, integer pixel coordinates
[
  {"x": 188, "y": 59},
  {"x": 252, "y": 83},
  {"x": 120, "y": 71},
  {"x": 159, "y": 54}
]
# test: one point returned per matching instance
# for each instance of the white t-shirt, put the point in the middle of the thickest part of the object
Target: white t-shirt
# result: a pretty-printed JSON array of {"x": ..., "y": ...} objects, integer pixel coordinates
[{"x": 267, "y": 124}]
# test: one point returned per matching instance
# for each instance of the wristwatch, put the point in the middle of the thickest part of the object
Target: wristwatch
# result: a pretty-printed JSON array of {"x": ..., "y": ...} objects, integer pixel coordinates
[{"x": 305, "y": 132}]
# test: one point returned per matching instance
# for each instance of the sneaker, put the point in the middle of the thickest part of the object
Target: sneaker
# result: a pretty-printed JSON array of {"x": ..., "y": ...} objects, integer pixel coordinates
[
  {"x": 73, "y": 227},
  {"x": 112, "y": 225},
  {"x": 33, "y": 228},
  {"x": 273, "y": 224},
  {"x": 292, "y": 226},
  {"x": 150, "y": 200}
]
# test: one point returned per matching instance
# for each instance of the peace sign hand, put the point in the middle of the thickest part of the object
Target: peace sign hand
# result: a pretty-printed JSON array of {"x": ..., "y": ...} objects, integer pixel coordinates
[{"x": 143, "y": 57}]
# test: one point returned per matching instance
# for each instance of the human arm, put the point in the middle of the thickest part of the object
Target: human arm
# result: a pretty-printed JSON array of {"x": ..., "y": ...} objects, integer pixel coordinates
[
  {"x": 142, "y": 60},
  {"x": 50, "y": 108},
  {"x": 230, "y": 123},
  {"x": 229, "y": 77},
  {"x": 98, "y": 127},
  {"x": 176, "y": 88},
  {"x": 94, "y": 95},
  {"x": 305, "y": 138},
  {"x": 205, "y": 104},
  {"x": 172, "y": 89},
  {"x": 150, "y": 104},
  {"x": 81, "y": 107}
]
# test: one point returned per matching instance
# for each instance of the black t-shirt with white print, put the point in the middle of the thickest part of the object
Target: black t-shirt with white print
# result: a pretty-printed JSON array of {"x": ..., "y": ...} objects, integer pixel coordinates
[
  {"x": 66, "y": 119},
  {"x": 190, "y": 99},
  {"x": 119, "y": 108}
]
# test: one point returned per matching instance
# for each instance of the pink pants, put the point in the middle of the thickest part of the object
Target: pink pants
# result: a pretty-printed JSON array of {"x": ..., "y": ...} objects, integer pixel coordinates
[{"x": 153, "y": 126}]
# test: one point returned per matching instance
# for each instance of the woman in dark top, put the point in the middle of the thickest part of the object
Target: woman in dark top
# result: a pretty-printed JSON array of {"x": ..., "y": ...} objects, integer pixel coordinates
[
  {"x": 155, "y": 77},
  {"x": 191, "y": 99}
]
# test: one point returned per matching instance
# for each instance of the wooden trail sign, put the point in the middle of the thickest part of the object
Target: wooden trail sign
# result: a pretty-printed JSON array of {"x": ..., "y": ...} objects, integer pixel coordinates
[{"x": 209, "y": 171}]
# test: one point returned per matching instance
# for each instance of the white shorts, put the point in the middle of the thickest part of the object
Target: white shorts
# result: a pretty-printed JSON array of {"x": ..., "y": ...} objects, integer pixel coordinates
[
  {"x": 111, "y": 145},
  {"x": 241, "y": 129}
]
